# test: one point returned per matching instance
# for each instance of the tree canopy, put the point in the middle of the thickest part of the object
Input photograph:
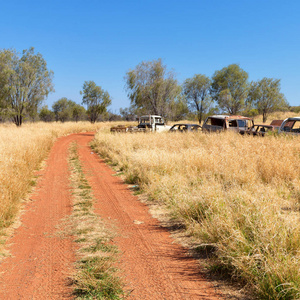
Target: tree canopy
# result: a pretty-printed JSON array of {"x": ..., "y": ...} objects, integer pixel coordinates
[
  {"x": 151, "y": 88},
  {"x": 46, "y": 115},
  {"x": 25, "y": 82},
  {"x": 266, "y": 97},
  {"x": 196, "y": 91},
  {"x": 96, "y": 99},
  {"x": 63, "y": 109},
  {"x": 230, "y": 88}
]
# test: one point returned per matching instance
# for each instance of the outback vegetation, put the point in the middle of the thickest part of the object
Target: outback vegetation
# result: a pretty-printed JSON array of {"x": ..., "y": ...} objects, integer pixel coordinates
[
  {"x": 237, "y": 196},
  {"x": 25, "y": 81}
]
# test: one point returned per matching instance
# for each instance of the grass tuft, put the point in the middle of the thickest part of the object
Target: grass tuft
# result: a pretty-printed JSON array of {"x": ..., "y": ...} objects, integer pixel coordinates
[{"x": 96, "y": 276}]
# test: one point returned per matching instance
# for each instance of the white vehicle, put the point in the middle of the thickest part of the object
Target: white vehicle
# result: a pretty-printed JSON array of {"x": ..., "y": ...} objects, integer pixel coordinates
[
  {"x": 290, "y": 126},
  {"x": 152, "y": 123}
]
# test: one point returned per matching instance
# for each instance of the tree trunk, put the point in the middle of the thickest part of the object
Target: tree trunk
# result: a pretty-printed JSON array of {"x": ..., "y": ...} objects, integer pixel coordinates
[
  {"x": 264, "y": 117},
  {"x": 18, "y": 120}
]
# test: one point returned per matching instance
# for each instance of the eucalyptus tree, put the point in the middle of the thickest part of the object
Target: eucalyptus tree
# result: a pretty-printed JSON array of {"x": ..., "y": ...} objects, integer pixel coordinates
[
  {"x": 78, "y": 112},
  {"x": 63, "y": 109},
  {"x": 229, "y": 88},
  {"x": 25, "y": 81},
  {"x": 151, "y": 88},
  {"x": 46, "y": 115},
  {"x": 266, "y": 97},
  {"x": 196, "y": 91},
  {"x": 96, "y": 99}
]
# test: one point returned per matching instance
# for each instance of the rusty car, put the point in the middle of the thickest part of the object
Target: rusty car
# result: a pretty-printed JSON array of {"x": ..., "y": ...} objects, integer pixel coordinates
[
  {"x": 185, "y": 128},
  {"x": 261, "y": 129},
  {"x": 290, "y": 126},
  {"x": 217, "y": 123}
]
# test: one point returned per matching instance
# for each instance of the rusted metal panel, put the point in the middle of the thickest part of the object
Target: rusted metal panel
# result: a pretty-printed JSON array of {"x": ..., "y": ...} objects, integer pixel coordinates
[{"x": 276, "y": 123}]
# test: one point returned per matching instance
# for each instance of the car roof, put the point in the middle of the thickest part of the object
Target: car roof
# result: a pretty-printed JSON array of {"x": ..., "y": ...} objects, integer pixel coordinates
[
  {"x": 234, "y": 117},
  {"x": 292, "y": 119}
]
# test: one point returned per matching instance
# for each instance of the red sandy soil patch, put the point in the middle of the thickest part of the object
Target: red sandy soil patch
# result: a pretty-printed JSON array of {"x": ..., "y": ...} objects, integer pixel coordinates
[{"x": 152, "y": 264}]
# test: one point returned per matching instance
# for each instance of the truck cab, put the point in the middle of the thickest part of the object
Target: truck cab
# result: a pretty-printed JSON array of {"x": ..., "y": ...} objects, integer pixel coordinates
[{"x": 152, "y": 122}]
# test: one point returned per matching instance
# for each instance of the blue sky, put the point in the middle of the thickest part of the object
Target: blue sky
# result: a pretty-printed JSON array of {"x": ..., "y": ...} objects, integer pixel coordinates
[{"x": 102, "y": 40}]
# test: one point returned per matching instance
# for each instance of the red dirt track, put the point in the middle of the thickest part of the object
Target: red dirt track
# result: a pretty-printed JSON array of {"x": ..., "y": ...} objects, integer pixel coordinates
[{"x": 153, "y": 265}]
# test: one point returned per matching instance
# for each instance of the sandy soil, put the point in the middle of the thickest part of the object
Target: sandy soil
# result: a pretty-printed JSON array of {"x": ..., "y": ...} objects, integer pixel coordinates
[{"x": 152, "y": 264}]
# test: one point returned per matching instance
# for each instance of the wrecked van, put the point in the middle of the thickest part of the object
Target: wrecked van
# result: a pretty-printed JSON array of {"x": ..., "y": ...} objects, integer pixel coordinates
[{"x": 219, "y": 123}]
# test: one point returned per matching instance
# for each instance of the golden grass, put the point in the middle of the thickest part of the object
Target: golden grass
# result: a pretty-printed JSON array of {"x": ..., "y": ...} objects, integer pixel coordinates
[
  {"x": 275, "y": 116},
  {"x": 21, "y": 152},
  {"x": 239, "y": 194}
]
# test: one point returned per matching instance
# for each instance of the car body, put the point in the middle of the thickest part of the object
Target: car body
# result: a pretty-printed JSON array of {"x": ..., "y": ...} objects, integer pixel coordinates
[
  {"x": 217, "y": 123},
  {"x": 148, "y": 123},
  {"x": 185, "y": 128},
  {"x": 152, "y": 123},
  {"x": 290, "y": 126},
  {"x": 261, "y": 129},
  {"x": 276, "y": 124}
]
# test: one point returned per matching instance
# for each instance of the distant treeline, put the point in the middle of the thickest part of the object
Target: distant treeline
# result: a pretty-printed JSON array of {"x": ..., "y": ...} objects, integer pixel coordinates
[{"x": 25, "y": 82}]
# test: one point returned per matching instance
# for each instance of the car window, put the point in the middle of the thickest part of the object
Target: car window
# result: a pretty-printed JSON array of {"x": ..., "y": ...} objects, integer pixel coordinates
[
  {"x": 242, "y": 123},
  {"x": 296, "y": 127},
  {"x": 232, "y": 123}
]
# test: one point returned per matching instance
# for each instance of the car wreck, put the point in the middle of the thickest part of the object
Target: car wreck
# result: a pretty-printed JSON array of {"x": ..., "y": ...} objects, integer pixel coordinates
[
  {"x": 185, "y": 128},
  {"x": 217, "y": 123},
  {"x": 290, "y": 126},
  {"x": 261, "y": 130},
  {"x": 147, "y": 123}
]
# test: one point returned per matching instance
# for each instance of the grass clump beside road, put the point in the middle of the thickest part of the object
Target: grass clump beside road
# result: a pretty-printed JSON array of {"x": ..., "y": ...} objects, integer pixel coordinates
[
  {"x": 96, "y": 274},
  {"x": 239, "y": 195}
]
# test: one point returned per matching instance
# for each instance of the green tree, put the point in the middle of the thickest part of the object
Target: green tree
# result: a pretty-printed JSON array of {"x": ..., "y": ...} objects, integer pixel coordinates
[
  {"x": 46, "y": 115},
  {"x": 229, "y": 88},
  {"x": 295, "y": 109},
  {"x": 151, "y": 88},
  {"x": 25, "y": 82},
  {"x": 266, "y": 97},
  {"x": 196, "y": 90},
  {"x": 178, "y": 109},
  {"x": 63, "y": 109},
  {"x": 128, "y": 114},
  {"x": 96, "y": 99},
  {"x": 78, "y": 112}
]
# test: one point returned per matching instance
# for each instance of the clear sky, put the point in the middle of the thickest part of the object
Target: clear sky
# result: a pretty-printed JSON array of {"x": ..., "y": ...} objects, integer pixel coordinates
[{"x": 102, "y": 40}]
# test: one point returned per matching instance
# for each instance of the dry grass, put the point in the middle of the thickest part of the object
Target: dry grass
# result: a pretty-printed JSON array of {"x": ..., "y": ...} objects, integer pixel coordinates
[
  {"x": 275, "y": 116},
  {"x": 238, "y": 194},
  {"x": 96, "y": 274},
  {"x": 21, "y": 152}
]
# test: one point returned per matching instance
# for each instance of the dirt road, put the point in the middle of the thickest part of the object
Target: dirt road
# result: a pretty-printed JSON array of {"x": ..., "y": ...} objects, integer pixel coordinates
[{"x": 153, "y": 266}]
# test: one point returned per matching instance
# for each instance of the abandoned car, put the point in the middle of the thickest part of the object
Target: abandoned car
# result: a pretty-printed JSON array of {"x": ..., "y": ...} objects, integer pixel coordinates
[
  {"x": 261, "y": 129},
  {"x": 290, "y": 126},
  {"x": 219, "y": 123},
  {"x": 185, "y": 128}
]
